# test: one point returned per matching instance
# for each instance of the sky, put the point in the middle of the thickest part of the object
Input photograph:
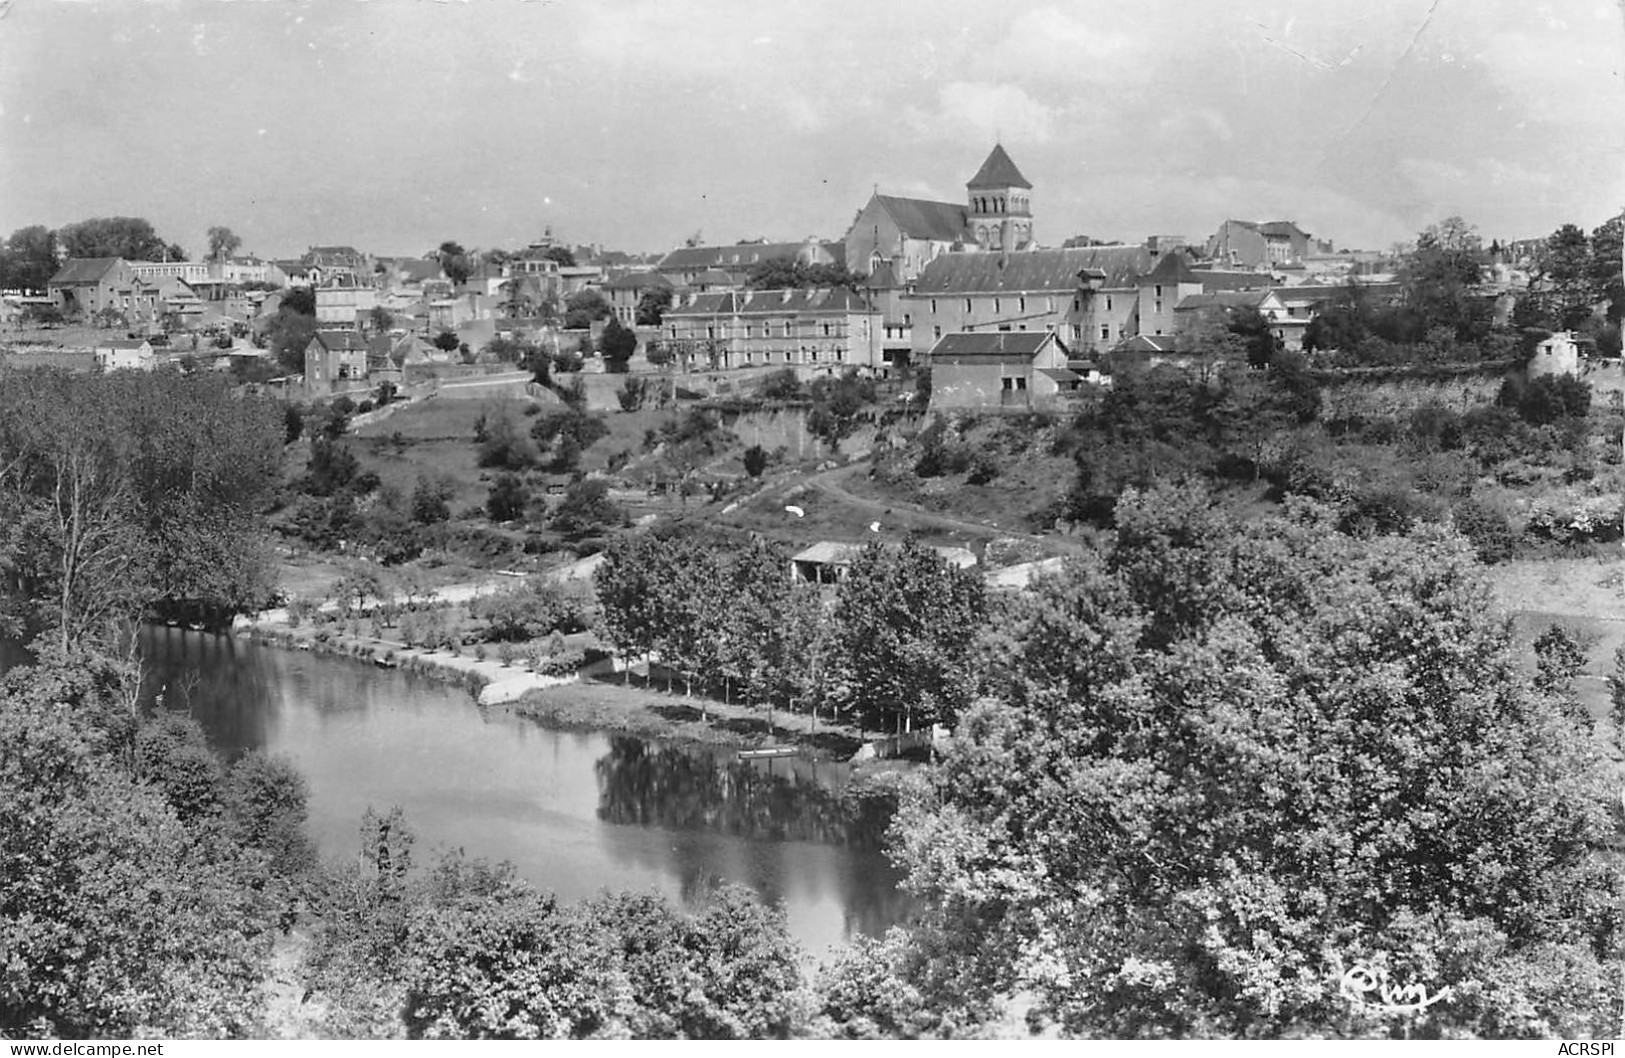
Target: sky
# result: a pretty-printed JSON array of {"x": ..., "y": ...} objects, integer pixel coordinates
[{"x": 395, "y": 125}]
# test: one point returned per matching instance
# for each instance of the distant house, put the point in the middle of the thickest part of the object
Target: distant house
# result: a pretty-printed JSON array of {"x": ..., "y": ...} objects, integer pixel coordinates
[
  {"x": 829, "y": 561},
  {"x": 335, "y": 361},
  {"x": 1271, "y": 244},
  {"x": 88, "y": 285},
  {"x": 124, "y": 354},
  {"x": 344, "y": 305},
  {"x": 999, "y": 369},
  {"x": 625, "y": 291}
]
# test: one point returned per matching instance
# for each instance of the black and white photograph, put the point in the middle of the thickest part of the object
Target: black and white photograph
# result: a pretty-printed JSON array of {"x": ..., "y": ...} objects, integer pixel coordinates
[{"x": 664, "y": 520}]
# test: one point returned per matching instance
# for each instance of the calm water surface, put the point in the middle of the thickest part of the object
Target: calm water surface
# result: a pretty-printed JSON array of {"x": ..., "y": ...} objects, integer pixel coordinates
[{"x": 575, "y": 813}]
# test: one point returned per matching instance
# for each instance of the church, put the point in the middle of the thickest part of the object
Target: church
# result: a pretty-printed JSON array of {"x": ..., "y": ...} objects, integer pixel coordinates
[{"x": 895, "y": 238}]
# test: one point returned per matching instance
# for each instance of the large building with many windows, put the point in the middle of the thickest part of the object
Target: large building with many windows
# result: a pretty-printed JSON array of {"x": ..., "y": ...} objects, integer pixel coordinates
[
  {"x": 816, "y": 332},
  {"x": 1087, "y": 297}
]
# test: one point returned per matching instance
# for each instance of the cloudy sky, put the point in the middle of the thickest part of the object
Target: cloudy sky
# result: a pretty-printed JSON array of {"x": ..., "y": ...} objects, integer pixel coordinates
[{"x": 393, "y": 125}]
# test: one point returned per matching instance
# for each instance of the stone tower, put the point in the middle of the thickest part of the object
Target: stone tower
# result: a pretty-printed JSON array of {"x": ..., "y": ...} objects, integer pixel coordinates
[{"x": 1001, "y": 216}]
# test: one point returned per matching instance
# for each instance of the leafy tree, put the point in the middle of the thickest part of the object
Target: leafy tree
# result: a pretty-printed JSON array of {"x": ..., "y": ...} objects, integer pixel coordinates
[
  {"x": 223, "y": 242},
  {"x": 529, "y": 611},
  {"x": 455, "y": 263},
  {"x": 1440, "y": 276},
  {"x": 729, "y": 972},
  {"x": 586, "y": 509},
  {"x": 265, "y": 798},
  {"x": 447, "y": 341},
  {"x": 1227, "y": 762},
  {"x": 117, "y": 918},
  {"x": 562, "y": 254},
  {"x": 585, "y": 307},
  {"x": 652, "y": 306},
  {"x": 507, "y": 498},
  {"x": 1252, "y": 327},
  {"x": 565, "y": 434},
  {"x": 300, "y": 300},
  {"x": 381, "y": 319},
  {"x": 490, "y": 959},
  {"x": 28, "y": 258},
  {"x": 131, "y": 238},
  {"x": 905, "y": 622},
  {"x": 431, "y": 499},
  {"x": 755, "y": 460},
  {"x": 504, "y": 445},
  {"x": 783, "y": 385},
  {"x": 617, "y": 346},
  {"x": 289, "y": 335}
]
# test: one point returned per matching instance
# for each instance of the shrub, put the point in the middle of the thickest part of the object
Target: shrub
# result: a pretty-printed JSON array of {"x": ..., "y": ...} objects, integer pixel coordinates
[{"x": 1487, "y": 529}]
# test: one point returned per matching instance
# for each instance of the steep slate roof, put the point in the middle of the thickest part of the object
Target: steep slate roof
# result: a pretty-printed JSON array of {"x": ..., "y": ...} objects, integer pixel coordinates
[
  {"x": 990, "y": 347},
  {"x": 998, "y": 171},
  {"x": 715, "y": 304},
  {"x": 691, "y": 258},
  {"x": 921, "y": 218},
  {"x": 1281, "y": 227},
  {"x": 84, "y": 270},
  {"x": 1033, "y": 270},
  {"x": 340, "y": 341}
]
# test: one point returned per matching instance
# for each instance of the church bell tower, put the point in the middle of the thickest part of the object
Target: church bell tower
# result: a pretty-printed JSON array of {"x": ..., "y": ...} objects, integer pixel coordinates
[{"x": 1001, "y": 215}]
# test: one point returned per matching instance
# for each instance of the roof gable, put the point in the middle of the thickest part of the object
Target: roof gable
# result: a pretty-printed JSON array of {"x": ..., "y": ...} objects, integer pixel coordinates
[
  {"x": 968, "y": 346},
  {"x": 85, "y": 270},
  {"x": 998, "y": 171}
]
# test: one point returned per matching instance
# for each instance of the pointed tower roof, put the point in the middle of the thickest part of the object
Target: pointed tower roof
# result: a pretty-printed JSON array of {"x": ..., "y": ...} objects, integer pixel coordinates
[{"x": 998, "y": 171}]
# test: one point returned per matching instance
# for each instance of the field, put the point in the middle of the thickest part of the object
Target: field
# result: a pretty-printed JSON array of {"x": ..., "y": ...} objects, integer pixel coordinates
[{"x": 1585, "y": 595}]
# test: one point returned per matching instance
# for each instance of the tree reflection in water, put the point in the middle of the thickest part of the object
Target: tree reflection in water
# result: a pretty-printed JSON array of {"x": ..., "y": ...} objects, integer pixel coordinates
[
  {"x": 651, "y": 785},
  {"x": 769, "y": 802}
]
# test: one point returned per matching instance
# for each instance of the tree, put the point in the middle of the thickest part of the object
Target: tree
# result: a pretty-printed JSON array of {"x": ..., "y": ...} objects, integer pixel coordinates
[
  {"x": 454, "y": 262},
  {"x": 652, "y": 306},
  {"x": 755, "y": 460},
  {"x": 28, "y": 258},
  {"x": 1228, "y": 762},
  {"x": 117, "y": 918},
  {"x": 490, "y": 959},
  {"x": 585, "y": 307},
  {"x": 1440, "y": 276},
  {"x": 131, "y": 238},
  {"x": 562, "y": 254},
  {"x": 586, "y": 509},
  {"x": 507, "y": 498},
  {"x": 617, "y": 345},
  {"x": 223, "y": 242},
  {"x": 298, "y": 300},
  {"x": 447, "y": 341},
  {"x": 905, "y": 621},
  {"x": 381, "y": 319},
  {"x": 289, "y": 334},
  {"x": 431, "y": 499}
]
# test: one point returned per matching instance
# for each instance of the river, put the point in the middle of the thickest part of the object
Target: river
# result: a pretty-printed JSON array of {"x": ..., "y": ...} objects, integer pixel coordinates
[{"x": 576, "y": 813}]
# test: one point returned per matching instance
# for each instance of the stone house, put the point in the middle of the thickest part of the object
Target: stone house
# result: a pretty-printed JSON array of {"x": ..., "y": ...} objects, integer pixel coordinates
[
  {"x": 88, "y": 285},
  {"x": 335, "y": 362},
  {"x": 1271, "y": 244},
  {"x": 999, "y": 370}
]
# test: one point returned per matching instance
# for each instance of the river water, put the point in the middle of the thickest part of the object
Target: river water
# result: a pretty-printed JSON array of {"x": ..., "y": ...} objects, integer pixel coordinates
[{"x": 576, "y": 813}]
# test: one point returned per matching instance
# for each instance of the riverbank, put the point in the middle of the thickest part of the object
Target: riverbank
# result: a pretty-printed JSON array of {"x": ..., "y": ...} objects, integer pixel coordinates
[
  {"x": 638, "y": 706},
  {"x": 596, "y": 698}
]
